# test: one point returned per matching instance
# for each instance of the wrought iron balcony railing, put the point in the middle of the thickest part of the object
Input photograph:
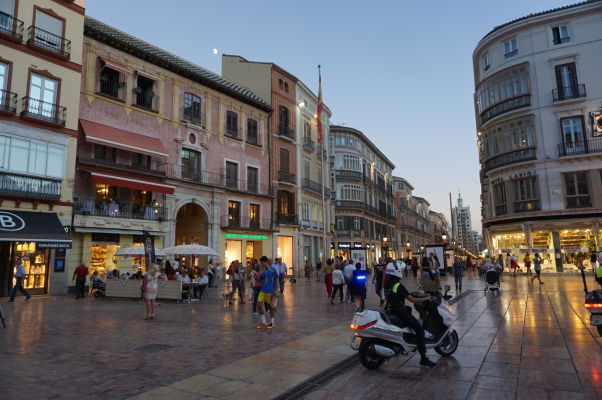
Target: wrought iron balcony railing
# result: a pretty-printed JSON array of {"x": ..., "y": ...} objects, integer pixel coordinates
[
  {"x": 193, "y": 116},
  {"x": 146, "y": 99},
  {"x": 118, "y": 209},
  {"x": 314, "y": 187},
  {"x": 526, "y": 206},
  {"x": 287, "y": 219},
  {"x": 30, "y": 186},
  {"x": 569, "y": 92},
  {"x": 506, "y": 106},
  {"x": 112, "y": 88},
  {"x": 286, "y": 176},
  {"x": 49, "y": 41},
  {"x": 309, "y": 144},
  {"x": 38, "y": 109},
  {"x": 228, "y": 221},
  {"x": 8, "y": 101},
  {"x": 509, "y": 158},
  {"x": 576, "y": 148},
  {"x": 285, "y": 131},
  {"x": 344, "y": 173},
  {"x": 11, "y": 26}
]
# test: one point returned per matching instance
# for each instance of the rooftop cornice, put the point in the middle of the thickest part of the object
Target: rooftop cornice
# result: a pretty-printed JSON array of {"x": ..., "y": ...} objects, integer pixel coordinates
[
  {"x": 360, "y": 134},
  {"x": 138, "y": 48}
]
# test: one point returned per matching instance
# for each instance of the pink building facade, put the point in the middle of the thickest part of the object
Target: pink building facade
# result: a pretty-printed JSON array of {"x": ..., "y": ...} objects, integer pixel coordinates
[{"x": 170, "y": 148}]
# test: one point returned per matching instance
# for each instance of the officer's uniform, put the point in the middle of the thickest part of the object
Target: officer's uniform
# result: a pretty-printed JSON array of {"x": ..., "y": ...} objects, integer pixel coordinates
[{"x": 396, "y": 296}]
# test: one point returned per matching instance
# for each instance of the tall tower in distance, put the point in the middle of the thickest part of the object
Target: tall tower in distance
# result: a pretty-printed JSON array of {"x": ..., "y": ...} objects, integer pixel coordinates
[{"x": 461, "y": 220}]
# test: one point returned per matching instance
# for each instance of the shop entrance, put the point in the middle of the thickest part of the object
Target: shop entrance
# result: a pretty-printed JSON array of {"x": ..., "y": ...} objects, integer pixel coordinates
[
  {"x": 191, "y": 225},
  {"x": 36, "y": 269},
  {"x": 285, "y": 249}
]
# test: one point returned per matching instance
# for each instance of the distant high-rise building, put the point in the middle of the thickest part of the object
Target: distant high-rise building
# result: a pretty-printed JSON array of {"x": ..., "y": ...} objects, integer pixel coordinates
[{"x": 462, "y": 226}]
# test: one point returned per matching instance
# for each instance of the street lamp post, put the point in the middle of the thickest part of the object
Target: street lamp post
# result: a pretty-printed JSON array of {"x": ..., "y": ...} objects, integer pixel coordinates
[
  {"x": 386, "y": 246},
  {"x": 408, "y": 248}
]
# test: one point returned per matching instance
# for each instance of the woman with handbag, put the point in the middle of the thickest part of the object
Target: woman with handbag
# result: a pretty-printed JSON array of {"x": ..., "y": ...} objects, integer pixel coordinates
[{"x": 150, "y": 286}]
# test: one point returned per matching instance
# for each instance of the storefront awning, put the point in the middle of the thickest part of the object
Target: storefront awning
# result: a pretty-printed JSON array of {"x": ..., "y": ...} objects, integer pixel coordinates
[
  {"x": 25, "y": 226},
  {"x": 130, "y": 183},
  {"x": 114, "y": 65},
  {"x": 122, "y": 139}
]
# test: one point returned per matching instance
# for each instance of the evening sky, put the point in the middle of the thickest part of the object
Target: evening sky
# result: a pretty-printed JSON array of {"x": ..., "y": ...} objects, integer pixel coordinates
[{"x": 399, "y": 71}]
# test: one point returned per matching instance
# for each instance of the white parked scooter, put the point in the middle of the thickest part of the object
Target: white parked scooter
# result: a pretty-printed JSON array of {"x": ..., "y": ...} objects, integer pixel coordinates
[{"x": 380, "y": 336}]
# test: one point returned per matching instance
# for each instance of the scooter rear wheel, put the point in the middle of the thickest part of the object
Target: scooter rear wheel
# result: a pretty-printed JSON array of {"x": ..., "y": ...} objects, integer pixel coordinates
[
  {"x": 449, "y": 345},
  {"x": 368, "y": 356}
]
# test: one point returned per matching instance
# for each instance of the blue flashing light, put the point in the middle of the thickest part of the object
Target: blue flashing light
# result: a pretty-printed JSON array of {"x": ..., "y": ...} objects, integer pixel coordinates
[{"x": 361, "y": 277}]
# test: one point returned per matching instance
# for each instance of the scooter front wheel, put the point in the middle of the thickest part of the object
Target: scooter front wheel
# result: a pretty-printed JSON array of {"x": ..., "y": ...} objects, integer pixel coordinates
[
  {"x": 449, "y": 345},
  {"x": 368, "y": 356}
]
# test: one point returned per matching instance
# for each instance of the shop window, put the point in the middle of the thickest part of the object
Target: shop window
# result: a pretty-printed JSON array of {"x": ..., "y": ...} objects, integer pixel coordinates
[
  {"x": 102, "y": 252},
  {"x": 36, "y": 268},
  {"x": 576, "y": 188},
  {"x": 233, "y": 251},
  {"x": 526, "y": 195}
]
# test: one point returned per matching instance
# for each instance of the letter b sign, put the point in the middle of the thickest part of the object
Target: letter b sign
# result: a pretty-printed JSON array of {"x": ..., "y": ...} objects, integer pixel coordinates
[{"x": 11, "y": 222}]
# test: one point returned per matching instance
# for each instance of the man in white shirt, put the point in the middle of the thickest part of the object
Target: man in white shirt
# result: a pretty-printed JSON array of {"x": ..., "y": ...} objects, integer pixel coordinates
[
  {"x": 19, "y": 275},
  {"x": 282, "y": 271},
  {"x": 348, "y": 274},
  {"x": 203, "y": 281}
]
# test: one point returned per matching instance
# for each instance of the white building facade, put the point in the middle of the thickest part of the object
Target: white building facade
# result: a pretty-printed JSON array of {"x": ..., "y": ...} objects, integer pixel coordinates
[{"x": 538, "y": 97}]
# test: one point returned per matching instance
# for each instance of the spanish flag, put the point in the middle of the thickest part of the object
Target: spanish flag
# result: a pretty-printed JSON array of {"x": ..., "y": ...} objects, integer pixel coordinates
[{"x": 320, "y": 106}]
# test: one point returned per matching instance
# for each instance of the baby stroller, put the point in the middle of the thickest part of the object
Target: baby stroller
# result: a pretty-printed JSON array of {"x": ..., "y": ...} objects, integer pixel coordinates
[
  {"x": 492, "y": 281},
  {"x": 98, "y": 288}
]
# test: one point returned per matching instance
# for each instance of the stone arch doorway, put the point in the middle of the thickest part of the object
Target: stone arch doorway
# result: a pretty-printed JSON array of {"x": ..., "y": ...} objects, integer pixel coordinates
[{"x": 192, "y": 225}]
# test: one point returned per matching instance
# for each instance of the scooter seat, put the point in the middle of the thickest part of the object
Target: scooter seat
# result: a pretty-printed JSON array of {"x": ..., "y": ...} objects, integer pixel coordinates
[{"x": 392, "y": 319}]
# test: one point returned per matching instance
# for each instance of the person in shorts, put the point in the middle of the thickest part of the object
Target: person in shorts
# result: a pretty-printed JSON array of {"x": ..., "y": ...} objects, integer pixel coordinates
[
  {"x": 269, "y": 280},
  {"x": 537, "y": 266}
]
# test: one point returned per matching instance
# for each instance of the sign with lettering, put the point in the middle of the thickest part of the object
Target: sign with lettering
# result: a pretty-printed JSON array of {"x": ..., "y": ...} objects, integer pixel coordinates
[{"x": 245, "y": 236}]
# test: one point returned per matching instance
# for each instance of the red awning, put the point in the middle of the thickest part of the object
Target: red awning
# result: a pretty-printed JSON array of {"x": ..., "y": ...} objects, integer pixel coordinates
[
  {"x": 131, "y": 183},
  {"x": 122, "y": 139},
  {"x": 114, "y": 65}
]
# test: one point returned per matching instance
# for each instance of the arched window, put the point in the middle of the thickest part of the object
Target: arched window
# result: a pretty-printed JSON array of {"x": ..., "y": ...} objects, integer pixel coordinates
[
  {"x": 286, "y": 87},
  {"x": 280, "y": 84}
]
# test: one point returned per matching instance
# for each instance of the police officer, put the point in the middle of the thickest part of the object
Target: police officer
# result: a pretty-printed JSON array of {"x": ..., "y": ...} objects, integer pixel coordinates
[{"x": 396, "y": 296}]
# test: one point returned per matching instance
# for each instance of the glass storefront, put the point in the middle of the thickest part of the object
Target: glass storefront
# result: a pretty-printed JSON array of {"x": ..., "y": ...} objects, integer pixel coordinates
[
  {"x": 576, "y": 246},
  {"x": 285, "y": 249},
  {"x": 233, "y": 252},
  {"x": 36, "y": 269}
]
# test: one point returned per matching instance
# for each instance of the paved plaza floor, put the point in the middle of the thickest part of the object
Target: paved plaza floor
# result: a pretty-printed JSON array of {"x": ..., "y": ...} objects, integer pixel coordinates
[{"x": 530, "y": 341}]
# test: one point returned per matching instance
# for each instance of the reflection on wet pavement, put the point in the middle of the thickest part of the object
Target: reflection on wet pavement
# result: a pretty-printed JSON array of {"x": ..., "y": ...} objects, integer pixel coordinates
[{"x": 527, "y": 342}]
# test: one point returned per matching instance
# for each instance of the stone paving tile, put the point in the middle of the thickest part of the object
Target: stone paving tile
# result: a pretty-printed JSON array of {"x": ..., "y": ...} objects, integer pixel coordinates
[
  {"x": 503, "y": 358},
  {"x": 478, "y": 394}
]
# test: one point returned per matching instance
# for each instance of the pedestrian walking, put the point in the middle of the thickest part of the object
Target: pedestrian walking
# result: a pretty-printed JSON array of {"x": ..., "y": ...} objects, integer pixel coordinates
[
  {"x": 537, "y": 265},
  {"x": 19, "y": 275},
  {"x": 150, "y": 287},
  {"x": 458, "y": 273},
  {"x": 348, "y": 275},
  {"x": 527, "y": 261},
  {"x": 265, "y": 300},
  {"x": 377, "y": 279},
  {"x": 328, "y": 268},
  {"x": 235, "y": 276},
  {"x": 319, "y": 270},
  {"x": 338, "y": 281},
  {"x": 282, "y": 269},
  {"x": 308, "y": 270},
  {"x": 80, "y": 283},
  {"x": 256, "y": 285},
  {"x": 358, "y": 287}
]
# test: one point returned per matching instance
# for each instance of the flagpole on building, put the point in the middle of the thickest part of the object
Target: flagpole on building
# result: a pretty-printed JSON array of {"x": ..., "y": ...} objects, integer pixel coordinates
[{"x": 321, "y": 141}]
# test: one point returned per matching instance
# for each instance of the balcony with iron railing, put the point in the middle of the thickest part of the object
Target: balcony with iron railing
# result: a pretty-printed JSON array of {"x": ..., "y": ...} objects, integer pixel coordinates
[
  {"x": 526, "y": 206},
  {"x": 287, "y": 219},
  {"x": 286, "y": 132},
  {"x": 154, "y": 167},
  {"x": 358, "y": 205},
  {"x": 501, "y": 209},
  {"x": 8, "y": 102},
  {"x": 30, "y": 186},
  {"x": 193, "y": 116},
  {"x": 118, "y": 209},
  {"x": 569, "y": 92},
  {"x": 513, "y": 157},
  {"x": 233, "y": 222},
  {"x": 349, "y": 174},
  {"x": 314, "y": 187},
  {"x": 42, "y": 111},
  {"x": 11, "y": 27},
  {"x": 112, "y": 88},
  {"x": 506, "y": 106},
  {"x": 308, "y": 144},
  {"x": 349, "y": 233},
  {"x": 146, "y": 99},
  {"x": 286, "y": 177},
  {"x": 49, "y": 42},
  {"x": 581, "y": 147},
  {"x": 311, "y": 224},
  {"x": 192, "y": 174}
]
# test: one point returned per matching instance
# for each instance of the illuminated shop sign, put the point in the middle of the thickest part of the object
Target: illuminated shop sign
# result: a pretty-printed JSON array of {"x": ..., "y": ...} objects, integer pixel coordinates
[{"x": 245, "y": 236}]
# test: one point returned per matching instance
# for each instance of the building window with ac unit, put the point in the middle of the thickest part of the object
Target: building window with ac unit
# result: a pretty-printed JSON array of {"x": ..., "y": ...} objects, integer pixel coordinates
[{"x": 576, "y": 190}]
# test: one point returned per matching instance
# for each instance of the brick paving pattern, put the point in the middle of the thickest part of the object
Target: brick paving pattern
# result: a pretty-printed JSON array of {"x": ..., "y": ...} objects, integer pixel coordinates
[{"x": 528, "y": 342}]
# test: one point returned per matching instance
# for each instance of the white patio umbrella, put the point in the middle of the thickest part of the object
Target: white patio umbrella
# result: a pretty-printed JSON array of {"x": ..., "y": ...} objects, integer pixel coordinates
[
  {"x": 190, "y": 250},
  {"x": 137, "y": 251}
]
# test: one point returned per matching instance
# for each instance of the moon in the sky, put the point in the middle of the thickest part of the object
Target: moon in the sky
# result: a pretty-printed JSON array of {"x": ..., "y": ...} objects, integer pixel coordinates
[{"x": 214, "y": 51}]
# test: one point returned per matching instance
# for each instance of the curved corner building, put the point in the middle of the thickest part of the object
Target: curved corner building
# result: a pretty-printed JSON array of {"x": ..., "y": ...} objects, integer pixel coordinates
[{"x": 538, "y": 106}]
